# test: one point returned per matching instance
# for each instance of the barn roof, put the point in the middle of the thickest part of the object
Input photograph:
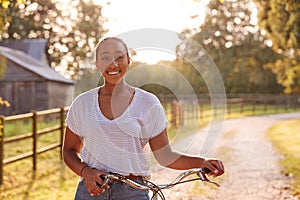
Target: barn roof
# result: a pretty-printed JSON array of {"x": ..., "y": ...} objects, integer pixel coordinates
[
  {"x": 33, "y": 65},
  {"x": 36, "y": 48}
]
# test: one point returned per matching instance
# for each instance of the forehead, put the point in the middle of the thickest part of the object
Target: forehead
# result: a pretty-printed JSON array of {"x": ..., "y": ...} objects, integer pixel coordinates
[{"x": 111, "y": 46}]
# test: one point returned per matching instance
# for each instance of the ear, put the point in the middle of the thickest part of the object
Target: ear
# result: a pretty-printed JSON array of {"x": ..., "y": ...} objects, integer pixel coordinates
[
  {"x": 97, "y": 65},
  {"x": 129, "y": 60},
  {"x": 99, "y": 69}
]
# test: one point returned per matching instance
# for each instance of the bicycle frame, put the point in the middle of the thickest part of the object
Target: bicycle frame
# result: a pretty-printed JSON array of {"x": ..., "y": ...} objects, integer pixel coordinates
[{"x": 156, "y": 188}]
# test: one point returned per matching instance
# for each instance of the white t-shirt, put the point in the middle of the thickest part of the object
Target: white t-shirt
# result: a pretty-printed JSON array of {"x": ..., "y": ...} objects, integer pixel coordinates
[{"x": 118, "y": 145}]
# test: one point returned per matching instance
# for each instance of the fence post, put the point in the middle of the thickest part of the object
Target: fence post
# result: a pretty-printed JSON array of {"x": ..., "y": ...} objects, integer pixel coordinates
[
  {"x": 174, "y": 113},
  {"x": 242, "y": 106},
  {"x": 253, "y": 107},
  {"x": 201, "y": 111},
  {"x": 1, "y": 147},
  {"x": 215, "y": 110},
  {"x": 228, "y": 108},
  {"x": 62, "y": 122},
  {"x": 266, "y": 100},
  {"x": 181, "y": 112},
  {"x": 34, "y": 136}
]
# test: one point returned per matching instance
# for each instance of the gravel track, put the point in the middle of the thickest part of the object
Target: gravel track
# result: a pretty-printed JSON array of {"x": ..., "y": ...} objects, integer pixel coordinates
[{"x": 252, "y": 168}]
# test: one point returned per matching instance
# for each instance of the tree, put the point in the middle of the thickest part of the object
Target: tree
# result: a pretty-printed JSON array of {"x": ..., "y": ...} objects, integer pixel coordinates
[
  {"x": 4, "y": 18},
  {"x": 72, "y": 32},
  {"x": 280, "y": 20},
  {"x": 235, "y": 44}
]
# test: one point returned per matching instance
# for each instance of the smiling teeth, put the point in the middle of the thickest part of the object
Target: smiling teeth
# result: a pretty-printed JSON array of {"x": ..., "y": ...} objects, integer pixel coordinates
[{"x": 113, "y": 73}]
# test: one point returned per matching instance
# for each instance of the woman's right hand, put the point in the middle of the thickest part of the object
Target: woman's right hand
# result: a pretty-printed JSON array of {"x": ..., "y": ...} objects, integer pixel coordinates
[{"x": 92, "y": 180}]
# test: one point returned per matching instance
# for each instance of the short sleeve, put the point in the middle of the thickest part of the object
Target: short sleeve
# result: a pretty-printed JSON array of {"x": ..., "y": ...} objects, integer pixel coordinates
[
  {"x": 71, "y": 120},
  {"x": 156, "y": 121}
]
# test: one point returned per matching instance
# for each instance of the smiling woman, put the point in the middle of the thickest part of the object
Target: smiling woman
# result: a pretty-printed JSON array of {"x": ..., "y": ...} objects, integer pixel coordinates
[{"x": 112, "y": 128}]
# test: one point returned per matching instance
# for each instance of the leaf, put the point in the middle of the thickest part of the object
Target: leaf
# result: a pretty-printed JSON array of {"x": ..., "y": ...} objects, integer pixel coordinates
[
  {"x": 4, "y": 102},
  {"x": 21, "y": 1},
  {"x": 5, "y": 4}
]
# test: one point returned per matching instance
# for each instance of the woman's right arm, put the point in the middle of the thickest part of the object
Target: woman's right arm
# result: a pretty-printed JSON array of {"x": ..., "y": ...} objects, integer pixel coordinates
[
  {"x": 71, "y": 150},
  {"x": 71, "y": 155}
]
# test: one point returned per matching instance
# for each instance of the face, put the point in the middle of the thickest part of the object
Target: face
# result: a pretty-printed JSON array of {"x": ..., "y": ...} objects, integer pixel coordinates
[{"x": 112, "y": 60}]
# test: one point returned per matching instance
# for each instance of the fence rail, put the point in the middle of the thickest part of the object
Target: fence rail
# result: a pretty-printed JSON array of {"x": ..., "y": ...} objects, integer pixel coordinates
[
  {"x": 178, "y": 113},
  {"x": 181, "y": 111},
  {"x": 33, "y": 116}
]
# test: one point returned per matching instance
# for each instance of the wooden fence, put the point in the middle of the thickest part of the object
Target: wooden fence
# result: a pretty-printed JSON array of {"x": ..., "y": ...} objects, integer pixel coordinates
[
  {"x": 178, "y": 113},
  {"x": 33, "y": 116}
]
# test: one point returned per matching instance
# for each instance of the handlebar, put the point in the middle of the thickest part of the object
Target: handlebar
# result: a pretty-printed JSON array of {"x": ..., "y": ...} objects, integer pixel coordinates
[{"x": 156, "y": 188}]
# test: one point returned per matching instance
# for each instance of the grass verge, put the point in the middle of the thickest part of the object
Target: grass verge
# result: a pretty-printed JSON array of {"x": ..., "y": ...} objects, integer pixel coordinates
[
  {"x": 286, "y": 138},
  {"x": 52, "y": 179}
]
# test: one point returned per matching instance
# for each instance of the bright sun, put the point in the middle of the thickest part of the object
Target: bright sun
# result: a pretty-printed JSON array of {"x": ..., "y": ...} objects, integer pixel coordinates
[{"x": 174, "y": 15}]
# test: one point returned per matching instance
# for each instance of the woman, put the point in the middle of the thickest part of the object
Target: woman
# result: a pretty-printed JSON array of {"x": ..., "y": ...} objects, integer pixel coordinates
[{"x": 110, "y": 129}]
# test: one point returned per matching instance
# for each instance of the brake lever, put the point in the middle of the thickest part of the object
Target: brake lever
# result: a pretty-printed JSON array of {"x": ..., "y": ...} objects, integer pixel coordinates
[
  {"x": 202, "y": 174},
  {"x": 105, "y": 181}
]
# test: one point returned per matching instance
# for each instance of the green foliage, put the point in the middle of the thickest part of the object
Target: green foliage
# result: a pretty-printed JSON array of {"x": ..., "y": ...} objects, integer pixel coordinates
[
  {"x": 280, "y": 20},
  {"x": 5, "y": 11},
  {"x": 165, "y": 78},
  {"x": 4, "y": 102},
  {"x": 237, "y": 47},
  {"x": 2, "y": 71},
  {"x": 71, "y": 35},
  {"x": 3, "y": 62},
  {"x": 86, "y": 80}
]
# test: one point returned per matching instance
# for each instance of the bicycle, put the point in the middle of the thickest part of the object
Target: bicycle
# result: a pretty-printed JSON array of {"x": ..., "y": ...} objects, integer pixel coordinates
[{"x": 157, "y": 188}]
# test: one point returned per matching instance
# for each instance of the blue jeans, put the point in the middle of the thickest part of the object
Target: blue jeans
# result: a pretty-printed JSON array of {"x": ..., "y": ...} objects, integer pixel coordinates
[{"x": 116, "y": 191}]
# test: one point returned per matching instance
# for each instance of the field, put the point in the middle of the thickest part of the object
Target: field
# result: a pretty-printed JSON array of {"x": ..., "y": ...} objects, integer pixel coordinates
[
  {"x": 53, "y": 180},
  {"x": 285, "y": 136}
]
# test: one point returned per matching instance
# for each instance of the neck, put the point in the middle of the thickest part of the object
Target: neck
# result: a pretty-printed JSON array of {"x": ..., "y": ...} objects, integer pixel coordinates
[{"x": 116, "y": 89}]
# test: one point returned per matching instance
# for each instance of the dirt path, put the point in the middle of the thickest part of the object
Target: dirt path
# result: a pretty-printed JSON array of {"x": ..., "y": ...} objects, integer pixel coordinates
[{"x": 251, "y": 163}]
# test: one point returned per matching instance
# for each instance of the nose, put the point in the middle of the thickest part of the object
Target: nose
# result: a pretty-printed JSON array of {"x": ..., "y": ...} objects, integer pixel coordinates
[{"x": 115, "y": 63}]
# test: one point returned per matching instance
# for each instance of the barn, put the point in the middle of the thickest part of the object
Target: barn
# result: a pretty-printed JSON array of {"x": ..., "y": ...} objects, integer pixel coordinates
[{"x": 28, "y": 82}]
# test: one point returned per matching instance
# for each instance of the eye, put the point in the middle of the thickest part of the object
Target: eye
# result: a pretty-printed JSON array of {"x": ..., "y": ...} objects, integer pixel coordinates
[
  {"x": 120, "y": 58},
  {"x": 105, "y": 58}
]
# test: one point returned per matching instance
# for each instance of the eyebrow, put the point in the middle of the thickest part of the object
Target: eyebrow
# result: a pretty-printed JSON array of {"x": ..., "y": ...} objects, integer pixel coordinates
[{"x": 106, "y": 52}]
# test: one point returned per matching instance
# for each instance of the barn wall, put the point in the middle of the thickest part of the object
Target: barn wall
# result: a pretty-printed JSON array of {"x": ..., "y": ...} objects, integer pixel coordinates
[
  {"x": 7, "y": 94},
  {"x": 23, "y": 96},
  {"x": 27, "y": 91},
  {"x": 15, "y": 72},
  {"x": 21, "y": 87},
  {"x": 41, "y": 95}
]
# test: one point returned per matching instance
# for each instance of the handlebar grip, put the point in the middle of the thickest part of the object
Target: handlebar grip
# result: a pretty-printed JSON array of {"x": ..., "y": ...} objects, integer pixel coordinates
[
  {"x": 202, "y": 174},
  {"x": 206, "y": 170},
  {"x": 104, "y": 179}
]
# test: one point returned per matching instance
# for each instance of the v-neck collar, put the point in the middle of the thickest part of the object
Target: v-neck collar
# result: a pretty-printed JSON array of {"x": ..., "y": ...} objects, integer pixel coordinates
[{"x": 125, "y": 112}]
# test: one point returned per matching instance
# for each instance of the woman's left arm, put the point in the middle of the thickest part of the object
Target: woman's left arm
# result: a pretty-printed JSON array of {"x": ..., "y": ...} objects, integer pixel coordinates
[{"x": 165, "y": 156}]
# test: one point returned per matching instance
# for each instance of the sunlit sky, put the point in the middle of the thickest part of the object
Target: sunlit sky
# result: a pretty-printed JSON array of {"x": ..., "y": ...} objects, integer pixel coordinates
[{"x": 174, "y": 15}]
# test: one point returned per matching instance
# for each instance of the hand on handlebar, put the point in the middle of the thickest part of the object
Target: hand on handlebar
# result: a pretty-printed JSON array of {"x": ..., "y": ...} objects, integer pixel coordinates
[
  {"x": 93, "y": 181},
  {"x": 201, "y": 173},
  {"x": 214, "y": 167}
]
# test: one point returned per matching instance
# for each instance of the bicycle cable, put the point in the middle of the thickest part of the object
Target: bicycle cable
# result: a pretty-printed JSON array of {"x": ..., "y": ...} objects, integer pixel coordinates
[{"x": 156, "y": 191}]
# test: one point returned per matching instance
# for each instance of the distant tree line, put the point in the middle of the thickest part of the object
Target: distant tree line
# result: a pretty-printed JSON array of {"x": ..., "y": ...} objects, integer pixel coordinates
[{"x": 252, "y": 58}]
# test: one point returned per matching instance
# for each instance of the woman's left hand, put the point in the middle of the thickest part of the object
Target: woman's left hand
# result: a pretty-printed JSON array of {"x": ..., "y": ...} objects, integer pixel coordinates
[{"x": 215, "y": 166}]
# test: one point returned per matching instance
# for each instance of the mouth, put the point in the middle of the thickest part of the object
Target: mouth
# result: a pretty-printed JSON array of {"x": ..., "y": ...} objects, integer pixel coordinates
[{"x": 113, "y": 72}]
